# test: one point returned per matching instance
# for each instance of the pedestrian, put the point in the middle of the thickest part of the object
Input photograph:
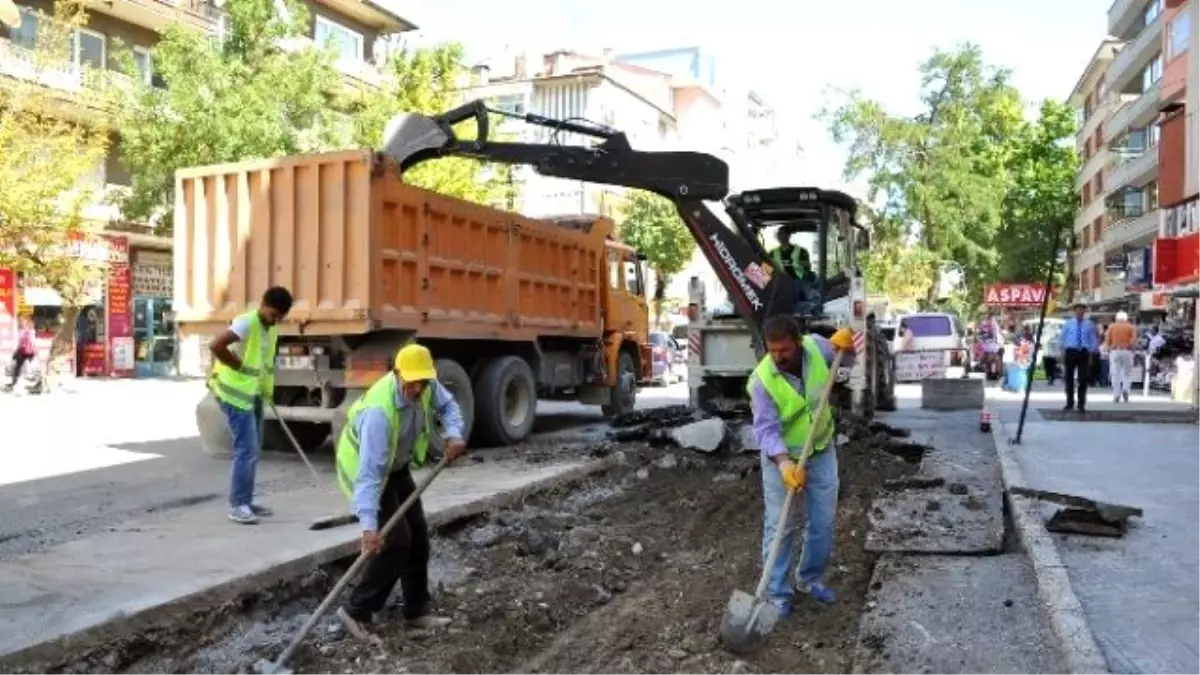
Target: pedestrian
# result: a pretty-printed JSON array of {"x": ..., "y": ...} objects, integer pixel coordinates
[
  {"x": 26, "y": 349},
  {"x": 1079, "y": 345},
  {"x": 243, "y": 374},
  {"x": 387, "y": 435},
  {"x": 1119, "y": 340},
  {"x": 784, "y": 391},
  {"x": 1099, "y": 361},
  {"x": 1052, "y": 356},
  {"x": 906, "y": 337}
]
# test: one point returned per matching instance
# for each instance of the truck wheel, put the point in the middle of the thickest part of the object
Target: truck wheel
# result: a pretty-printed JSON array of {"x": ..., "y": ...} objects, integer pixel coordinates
[
  {"x": 626, "y": 390},
  {"x": 508, "y": 394},
  {"x": 456, "y": 380}
]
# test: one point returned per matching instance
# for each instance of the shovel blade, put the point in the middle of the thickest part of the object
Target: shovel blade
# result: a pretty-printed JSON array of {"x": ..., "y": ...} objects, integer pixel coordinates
[
  {"x": 747, "y": 621},
  {"x": 410, "y": 137}
]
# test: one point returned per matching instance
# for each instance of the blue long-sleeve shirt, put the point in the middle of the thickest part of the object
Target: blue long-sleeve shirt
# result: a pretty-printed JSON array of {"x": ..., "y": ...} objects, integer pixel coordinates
[
  {"x": 1080, "y": 334},
  {"x": 766, "y": 427},
  {"x": 374, "y": 435}
]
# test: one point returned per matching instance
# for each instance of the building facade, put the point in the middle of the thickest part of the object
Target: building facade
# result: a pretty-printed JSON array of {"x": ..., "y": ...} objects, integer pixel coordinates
[
  {"x": 1177, "y": 247},
  {"x": 125, "y": 328}
]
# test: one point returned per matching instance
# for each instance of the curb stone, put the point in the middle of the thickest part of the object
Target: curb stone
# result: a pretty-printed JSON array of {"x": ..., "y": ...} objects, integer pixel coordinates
[
  {"x": 124, "y": 625},
  {"x": 1081, "y": 653}
]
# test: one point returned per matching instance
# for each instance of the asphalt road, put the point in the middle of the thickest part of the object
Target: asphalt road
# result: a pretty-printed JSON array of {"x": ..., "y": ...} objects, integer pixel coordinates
[{"x": 79, "y": 462}]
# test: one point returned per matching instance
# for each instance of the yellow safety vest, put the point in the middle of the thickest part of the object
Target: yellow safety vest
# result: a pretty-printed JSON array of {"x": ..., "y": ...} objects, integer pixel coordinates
[
  {"x": 256, "y": 377},
  {"x": 796, "y": 412},
  {"x": 382, "y": 396}
]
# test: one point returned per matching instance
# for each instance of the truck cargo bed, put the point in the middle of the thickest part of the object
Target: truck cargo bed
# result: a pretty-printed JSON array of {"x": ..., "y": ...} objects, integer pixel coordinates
[{"x": 361, "y": 251}]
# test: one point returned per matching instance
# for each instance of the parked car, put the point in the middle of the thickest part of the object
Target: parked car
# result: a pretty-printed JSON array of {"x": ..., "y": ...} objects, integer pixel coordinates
[
  {"x": 937, "y": 331},
  {"x": 668, "y": 359}
]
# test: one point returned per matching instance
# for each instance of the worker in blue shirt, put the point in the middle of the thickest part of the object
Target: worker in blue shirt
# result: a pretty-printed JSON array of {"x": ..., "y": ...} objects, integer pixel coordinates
[
  {"x": 1079, "y": 344},
  {"x": 387, "y": 434}
]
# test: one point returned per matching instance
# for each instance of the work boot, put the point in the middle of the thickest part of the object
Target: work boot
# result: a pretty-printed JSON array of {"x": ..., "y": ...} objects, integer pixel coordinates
[
  {"x": 262, "y": 511},
  {"x": 819, "y": 592},
  {"x": 243, "y": 515},
  {"x": 359, "y": 628},
  {"x": 428, "y": 622},
  {"x": 1068, "y": 407}
]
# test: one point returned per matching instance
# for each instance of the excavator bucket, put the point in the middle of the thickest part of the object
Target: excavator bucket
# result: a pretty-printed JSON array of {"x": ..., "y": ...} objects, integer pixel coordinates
[{"x": 411, "y": 137}]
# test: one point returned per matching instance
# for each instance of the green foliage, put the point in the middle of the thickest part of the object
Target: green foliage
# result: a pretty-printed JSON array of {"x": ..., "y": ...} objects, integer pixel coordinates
[
  {"x": 259, "y": 93},
  {"x": 1042, "y": 202},
  {"x": 967, "y": 179},
  {"x": 651, "y": 224},
  {"x": 426, "y": 80}
]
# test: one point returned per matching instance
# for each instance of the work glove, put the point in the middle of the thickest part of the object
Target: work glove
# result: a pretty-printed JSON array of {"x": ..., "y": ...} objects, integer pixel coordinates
[
  {"x": 793, "y": 475},
  {"x": 843, "y": 340}
]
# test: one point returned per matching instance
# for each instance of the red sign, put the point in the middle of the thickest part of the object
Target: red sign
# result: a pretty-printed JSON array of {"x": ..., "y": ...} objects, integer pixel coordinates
[
  {"x": 8, "y": 310},
  {"x": 1014, "y": 295},
  {"x": 120, "y": 307}
]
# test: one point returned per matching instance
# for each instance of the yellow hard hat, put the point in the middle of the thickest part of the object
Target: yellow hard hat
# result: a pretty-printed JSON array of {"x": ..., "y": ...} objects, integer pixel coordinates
[{"x": 414, "y": 363}]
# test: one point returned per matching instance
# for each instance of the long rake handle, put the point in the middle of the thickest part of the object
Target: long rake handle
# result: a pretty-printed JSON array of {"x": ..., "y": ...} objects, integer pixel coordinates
[
  {"x": 295, "y": 444},
  {"x": 785, "y": 511},
  {"x": 351, "y": 573}
]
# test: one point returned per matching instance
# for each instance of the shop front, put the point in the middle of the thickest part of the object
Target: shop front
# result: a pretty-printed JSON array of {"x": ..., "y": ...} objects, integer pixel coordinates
[
  {"x": 153, "y": 328},
  {"x": 103, "y": 340}
]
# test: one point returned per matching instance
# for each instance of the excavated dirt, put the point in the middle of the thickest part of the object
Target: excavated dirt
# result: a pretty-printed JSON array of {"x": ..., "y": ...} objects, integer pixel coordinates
[{"x": 627, "y": 572}]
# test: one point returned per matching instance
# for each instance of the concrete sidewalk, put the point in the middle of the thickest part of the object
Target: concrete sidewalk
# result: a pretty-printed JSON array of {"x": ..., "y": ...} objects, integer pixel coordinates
[
  {"x": 1139, "y": 594},
  {"x": 98, "y": 588}
]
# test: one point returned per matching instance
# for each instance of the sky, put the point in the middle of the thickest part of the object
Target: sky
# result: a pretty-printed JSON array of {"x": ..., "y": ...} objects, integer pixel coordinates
[{"x": 795, "y": 52}]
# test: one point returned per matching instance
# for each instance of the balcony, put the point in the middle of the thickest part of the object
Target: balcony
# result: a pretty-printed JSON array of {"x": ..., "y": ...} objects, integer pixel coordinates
[
  {"x": 1089, "y": 213},
  {"x": 1112, "y": 290},
  {"x": 1089, "y": 257},
  {"x": 1133, "y": 168},
  {"x": 360, "y": 71},
  {"x": 1124, "y": 16},
  {"x": 1096, "y": 162},
  {"x": 1134, "y": 114},
  {"x": 1134, "y": 56},
  {"x": 1138, "y": 230},
  {"x": 158, "y": 14},
  {"x": 68, "y": 77},
  {"x": 1088, "y": 124}
]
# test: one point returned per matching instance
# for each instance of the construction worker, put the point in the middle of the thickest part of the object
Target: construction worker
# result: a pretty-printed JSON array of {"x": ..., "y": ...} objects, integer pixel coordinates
[
  {"x": 243, "y": 373},
  {"x": 791, "y": 258},
  {"x": 386, "y": 435},
  {"x": 784, "y": 392}
]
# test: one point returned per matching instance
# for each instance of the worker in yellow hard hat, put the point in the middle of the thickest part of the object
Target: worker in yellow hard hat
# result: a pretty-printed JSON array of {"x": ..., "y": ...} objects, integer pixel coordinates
[
  {"x": 784, "y": 391},
  {"x": 387, "y": 434}
]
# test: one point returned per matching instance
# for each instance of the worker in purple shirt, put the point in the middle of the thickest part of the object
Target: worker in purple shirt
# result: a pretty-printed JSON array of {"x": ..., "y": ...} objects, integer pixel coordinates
[{"x": 790, "y": 379}]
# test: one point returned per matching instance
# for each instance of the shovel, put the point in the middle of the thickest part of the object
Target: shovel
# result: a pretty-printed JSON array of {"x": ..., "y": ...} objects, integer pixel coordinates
[
  {"x": 750, "y": 618},
  {"x": 279, "y": 666}
]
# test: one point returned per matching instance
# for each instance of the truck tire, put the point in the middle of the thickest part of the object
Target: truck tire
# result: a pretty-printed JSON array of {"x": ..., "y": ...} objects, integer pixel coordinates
[
  {"x": 456, "y": 380},
  {"x": 626, "y": 390},
  {"x": 508, "y": 400},
  {"x": 885, "y": 373}
]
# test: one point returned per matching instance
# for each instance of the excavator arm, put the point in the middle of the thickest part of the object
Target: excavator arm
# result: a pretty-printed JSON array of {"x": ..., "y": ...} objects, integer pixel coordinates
[{"x": 688, "y": 179}]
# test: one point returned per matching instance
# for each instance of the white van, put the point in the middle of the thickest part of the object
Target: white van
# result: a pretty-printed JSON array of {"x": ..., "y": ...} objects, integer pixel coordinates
[{"x": 934, "y": 331}]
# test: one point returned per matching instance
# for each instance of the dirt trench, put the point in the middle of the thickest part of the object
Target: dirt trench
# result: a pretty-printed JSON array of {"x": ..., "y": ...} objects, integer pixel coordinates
[{"x": 627, "y": 572}]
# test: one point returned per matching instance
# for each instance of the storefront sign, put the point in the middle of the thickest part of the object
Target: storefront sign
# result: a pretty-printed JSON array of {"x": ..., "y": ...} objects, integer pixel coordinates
[
  {"x": 120, "y": 304},
  {"x": 1152, "y": 301},
  {"x": 1014, "y": 295},
  {"x": 153, "y": 275},
  {"x": 1140, "y": 272},
  {"x": 8, "y": 310}
]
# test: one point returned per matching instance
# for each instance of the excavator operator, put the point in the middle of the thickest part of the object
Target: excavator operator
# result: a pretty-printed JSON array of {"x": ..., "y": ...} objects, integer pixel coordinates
[{"x": 795, "y": 261}]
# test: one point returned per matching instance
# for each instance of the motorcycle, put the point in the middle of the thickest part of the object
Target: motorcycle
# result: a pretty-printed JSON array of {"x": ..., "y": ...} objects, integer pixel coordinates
[{"x": 990, "y": 359}]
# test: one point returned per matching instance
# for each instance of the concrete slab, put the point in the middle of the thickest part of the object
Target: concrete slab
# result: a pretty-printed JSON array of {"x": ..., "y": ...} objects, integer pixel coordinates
[
  {"x": 962, "y": 514},
  {"x": 102, "y": 587},
  {"x": 925, "y": 614}
]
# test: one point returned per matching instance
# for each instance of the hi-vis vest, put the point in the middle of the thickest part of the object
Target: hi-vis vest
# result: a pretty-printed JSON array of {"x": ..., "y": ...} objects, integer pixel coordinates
[
  {"x": 796, "y": 411},
  {"x": 382, "y": 395},
  {"x": 793, "y": 265},
  {"x": 239, "y": 388}
]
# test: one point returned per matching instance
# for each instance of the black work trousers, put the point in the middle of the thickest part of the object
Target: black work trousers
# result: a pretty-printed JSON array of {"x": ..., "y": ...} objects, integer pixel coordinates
[
  {"x": 1077, "y": 372},
  {"x": 404, "y": 556}
]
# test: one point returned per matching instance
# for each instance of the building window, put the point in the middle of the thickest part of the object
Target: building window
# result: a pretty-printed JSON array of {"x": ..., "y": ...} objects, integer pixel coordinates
[
  {"x": 513, "y": 104},
  {"x": 1153, "y": 9},
  {"x": 1178, "y": 34},
  {"x": 347, "y": 45},
  {"x": 90, "y": 48},
  {"x": 141, "y": 61},
  {"x": 1152, "y": 73}
]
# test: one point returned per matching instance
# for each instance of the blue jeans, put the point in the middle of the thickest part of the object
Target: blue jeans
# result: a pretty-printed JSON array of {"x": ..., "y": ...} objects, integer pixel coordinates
[
  {"x": 820, "y": 502},
  {"x": 246, "y": 428}
]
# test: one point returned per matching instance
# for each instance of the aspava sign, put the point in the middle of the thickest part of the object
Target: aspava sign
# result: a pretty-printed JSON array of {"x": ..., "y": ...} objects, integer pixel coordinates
[{"x": 1014, "y": 295}]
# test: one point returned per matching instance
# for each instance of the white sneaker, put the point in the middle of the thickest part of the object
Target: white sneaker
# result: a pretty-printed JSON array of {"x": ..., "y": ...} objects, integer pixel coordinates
[{"x": 243, "y": 515}]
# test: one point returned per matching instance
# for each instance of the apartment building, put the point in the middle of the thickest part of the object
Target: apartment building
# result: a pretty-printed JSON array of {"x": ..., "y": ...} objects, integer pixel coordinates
[{"x": 568, "y": 85}]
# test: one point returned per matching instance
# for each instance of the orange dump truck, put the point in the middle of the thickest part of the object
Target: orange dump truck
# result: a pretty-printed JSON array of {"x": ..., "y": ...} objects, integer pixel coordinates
[{"x": 513, "y": 309}]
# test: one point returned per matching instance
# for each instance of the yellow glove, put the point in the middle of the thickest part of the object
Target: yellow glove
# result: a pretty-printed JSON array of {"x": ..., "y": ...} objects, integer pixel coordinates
[
  {"x": 793, "y": 475},
  {"x": 843, "y": 339}
]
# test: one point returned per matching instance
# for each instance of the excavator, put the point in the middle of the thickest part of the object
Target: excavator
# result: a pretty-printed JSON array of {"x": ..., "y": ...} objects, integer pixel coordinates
[{"x": 833, "y": 297}]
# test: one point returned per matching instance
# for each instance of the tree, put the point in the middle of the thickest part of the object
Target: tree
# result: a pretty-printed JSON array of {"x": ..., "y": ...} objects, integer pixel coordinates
[
  {"x": 651, "y": 224},
  {"x": 1041, "y": 203},
  {"x": 45, "y": 170},
  {"x": 259, "y": 92},
  {"x": 940, "y": 176},
  {"x": 426, "y": 80}
]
